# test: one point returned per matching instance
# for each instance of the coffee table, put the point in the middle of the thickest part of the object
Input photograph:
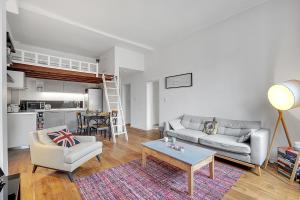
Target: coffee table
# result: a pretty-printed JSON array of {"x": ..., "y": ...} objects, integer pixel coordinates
[{"x": 190, "y": 160}]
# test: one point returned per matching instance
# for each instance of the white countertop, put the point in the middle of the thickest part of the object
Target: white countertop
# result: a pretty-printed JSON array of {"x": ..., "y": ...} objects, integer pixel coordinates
[
  {"x": 52, "y": 110},
  {"x": 61, "y": 110},
  {"x": 23, "y": 113}
]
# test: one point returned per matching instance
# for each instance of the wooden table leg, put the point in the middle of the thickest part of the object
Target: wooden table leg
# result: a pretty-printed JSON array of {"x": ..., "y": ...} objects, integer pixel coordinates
[
  {"x": 190, "y": 181},
  {"x": 144, "y": 158},
  {"x": 212, "y": 168}
]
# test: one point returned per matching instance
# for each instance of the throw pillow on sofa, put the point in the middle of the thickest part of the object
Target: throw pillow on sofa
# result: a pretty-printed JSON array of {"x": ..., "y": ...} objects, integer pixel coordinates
[
  {"x": 176, "y": 124},
  {"x": 63, "y": 138},
  {"x": 211, "y": 127},
  {"x": 244, "y": 138}
]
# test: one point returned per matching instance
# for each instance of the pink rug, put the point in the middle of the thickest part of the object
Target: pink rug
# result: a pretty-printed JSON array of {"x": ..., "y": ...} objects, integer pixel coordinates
[{"x": 158, "y": 180}]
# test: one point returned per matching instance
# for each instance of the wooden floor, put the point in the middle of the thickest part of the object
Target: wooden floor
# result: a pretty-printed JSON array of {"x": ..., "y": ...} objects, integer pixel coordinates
[{"x": 50, "y": 184}]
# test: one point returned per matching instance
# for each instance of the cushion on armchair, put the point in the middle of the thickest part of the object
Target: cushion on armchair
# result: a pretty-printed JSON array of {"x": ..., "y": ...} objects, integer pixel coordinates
[
  {"x": 43, "y": 136},
  {"x": 63, "y": 138}
]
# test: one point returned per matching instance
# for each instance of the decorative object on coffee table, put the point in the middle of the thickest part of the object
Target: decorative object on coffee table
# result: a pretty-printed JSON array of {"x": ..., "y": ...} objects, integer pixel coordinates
[
  {"x": 283, "y": 96},
  {"x": 289, "y": 163},
  {"x": 178, "y": 81},
  {"x": 192, "y": 159}
]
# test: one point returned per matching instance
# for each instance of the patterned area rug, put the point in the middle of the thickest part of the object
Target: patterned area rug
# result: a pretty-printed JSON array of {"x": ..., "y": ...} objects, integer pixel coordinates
[{"x": 158, "y": 180}]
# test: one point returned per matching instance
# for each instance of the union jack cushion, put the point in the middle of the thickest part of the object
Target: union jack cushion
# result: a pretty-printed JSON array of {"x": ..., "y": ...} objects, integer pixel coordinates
[{"x": 63, "y": 138}]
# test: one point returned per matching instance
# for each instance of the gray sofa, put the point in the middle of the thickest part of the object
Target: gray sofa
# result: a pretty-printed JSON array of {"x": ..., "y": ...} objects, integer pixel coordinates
[{"x": 251, "y": 153}]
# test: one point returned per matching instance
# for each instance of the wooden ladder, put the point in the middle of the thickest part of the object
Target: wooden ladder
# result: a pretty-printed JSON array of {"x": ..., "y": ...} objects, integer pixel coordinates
[{"x": 114, "y": 106}]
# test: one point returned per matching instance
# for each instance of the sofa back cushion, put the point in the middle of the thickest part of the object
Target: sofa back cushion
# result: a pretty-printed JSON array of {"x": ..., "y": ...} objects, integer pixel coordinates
[
  {"x": 176, "y": 124},
  {"x": 194, "y": 122},
  {"x": 236, "y": 128}
]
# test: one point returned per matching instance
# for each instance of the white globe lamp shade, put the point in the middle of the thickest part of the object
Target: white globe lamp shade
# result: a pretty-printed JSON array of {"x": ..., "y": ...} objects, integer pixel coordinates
[{"x": 285, "y": 96}]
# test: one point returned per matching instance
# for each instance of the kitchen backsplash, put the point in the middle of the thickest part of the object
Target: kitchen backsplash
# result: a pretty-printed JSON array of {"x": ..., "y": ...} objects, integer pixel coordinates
[{"x": 54, "y": 104}]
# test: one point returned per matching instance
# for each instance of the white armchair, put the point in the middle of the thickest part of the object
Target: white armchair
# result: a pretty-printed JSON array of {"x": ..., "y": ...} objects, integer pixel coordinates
[{"x": 45, "y": 153}]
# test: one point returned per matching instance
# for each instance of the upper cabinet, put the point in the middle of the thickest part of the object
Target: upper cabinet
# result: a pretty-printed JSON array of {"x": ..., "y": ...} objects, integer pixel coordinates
[{"x": 15, "y": 79}]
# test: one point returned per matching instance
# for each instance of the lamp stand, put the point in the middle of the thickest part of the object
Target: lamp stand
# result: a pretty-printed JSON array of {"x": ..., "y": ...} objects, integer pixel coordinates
[{"x": 279, "y": 119}]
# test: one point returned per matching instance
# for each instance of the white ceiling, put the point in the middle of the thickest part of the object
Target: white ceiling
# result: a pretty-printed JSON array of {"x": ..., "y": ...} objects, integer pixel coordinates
[{"x": 91, "y": 27}]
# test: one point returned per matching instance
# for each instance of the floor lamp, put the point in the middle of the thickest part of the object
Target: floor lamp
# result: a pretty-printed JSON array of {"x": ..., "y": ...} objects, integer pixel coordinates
[{"x": 283, "y": 96}]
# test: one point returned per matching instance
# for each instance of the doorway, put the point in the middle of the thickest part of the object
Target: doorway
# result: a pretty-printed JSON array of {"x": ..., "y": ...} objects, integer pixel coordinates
[
  {"x": 152, "y": 89},
  {"x": 126, "y": 96}
]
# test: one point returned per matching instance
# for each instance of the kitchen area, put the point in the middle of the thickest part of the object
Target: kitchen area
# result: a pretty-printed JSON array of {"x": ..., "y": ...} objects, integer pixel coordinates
[{"x": 35, "y": 104}]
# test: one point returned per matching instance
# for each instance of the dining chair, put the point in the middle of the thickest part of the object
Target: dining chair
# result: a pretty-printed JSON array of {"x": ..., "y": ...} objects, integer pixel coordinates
[
  {"x": 81, "y": 126},
  {"x": 99, "y": 124}
]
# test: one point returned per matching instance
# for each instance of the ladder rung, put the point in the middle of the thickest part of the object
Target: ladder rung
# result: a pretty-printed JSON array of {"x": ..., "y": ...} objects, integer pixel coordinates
[
  {"x": 112, "y": 88},
  {"x": 114, "y": 102},
  {"x": 119, "y": 125},
  {"x": 118, "y": 133},
  {"x": 112, "y": 95}
]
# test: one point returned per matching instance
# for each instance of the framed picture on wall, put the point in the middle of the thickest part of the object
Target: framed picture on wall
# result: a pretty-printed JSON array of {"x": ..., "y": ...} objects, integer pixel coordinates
[{"x": 180, "y": 80}]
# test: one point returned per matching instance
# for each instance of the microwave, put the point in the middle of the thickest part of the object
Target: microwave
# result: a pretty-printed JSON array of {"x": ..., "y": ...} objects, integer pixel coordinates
[{"x": 35, "y": 105}]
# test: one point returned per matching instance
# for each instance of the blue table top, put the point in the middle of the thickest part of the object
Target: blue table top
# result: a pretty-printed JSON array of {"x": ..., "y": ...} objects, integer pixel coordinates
[{"x": 191, "y": 155}]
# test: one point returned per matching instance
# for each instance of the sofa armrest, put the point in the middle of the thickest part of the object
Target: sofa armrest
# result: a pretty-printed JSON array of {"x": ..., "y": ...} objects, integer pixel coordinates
[
  {"x": 167, "y": 126},
  {"x": 51, "y": 156},
  {"x": 259, "y": 142},
  {"x": 86, "y": 138}
]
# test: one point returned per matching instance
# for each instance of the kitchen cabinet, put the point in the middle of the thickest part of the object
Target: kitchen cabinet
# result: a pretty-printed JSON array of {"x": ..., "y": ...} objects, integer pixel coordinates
[
  {"x": 19, "y": 125},
  {"x": 53, "y": 86},
  {"x": 53, "y": 119},
  {"x": 15, "y": 80},
  {"x": 71, "y": 120}
]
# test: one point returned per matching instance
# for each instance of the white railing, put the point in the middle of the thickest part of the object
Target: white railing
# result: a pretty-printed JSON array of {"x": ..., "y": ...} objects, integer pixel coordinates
[{"x": 44, "y": 60}]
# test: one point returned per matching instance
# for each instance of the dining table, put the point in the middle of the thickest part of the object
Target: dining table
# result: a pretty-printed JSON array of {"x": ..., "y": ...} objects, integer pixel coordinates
[{"x": 102, "y": 119}]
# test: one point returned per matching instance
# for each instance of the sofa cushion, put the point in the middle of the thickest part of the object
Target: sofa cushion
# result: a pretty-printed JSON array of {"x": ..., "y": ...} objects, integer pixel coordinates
[
  {"x": 194, "y": 122},
  {"x": 211, "y": 127},
  {"x": 244, "y": 138},
  {"x": 176, "y": 124},
  {"x": 80, "y": 150},
  {"x": 236, "y": 128},
  {"x": 187, "y": 134},
  {"x": 225, "y": 142}
]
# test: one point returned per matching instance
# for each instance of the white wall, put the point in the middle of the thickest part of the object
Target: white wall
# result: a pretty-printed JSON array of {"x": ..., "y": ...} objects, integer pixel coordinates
[
  {"x": 3, "y": 90},
  {"x": 233, "y": 65},
  {"x": 118, "y": 57},
  {"x": 129, "y": 59},
  {"x": 108, "y": 62}
]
